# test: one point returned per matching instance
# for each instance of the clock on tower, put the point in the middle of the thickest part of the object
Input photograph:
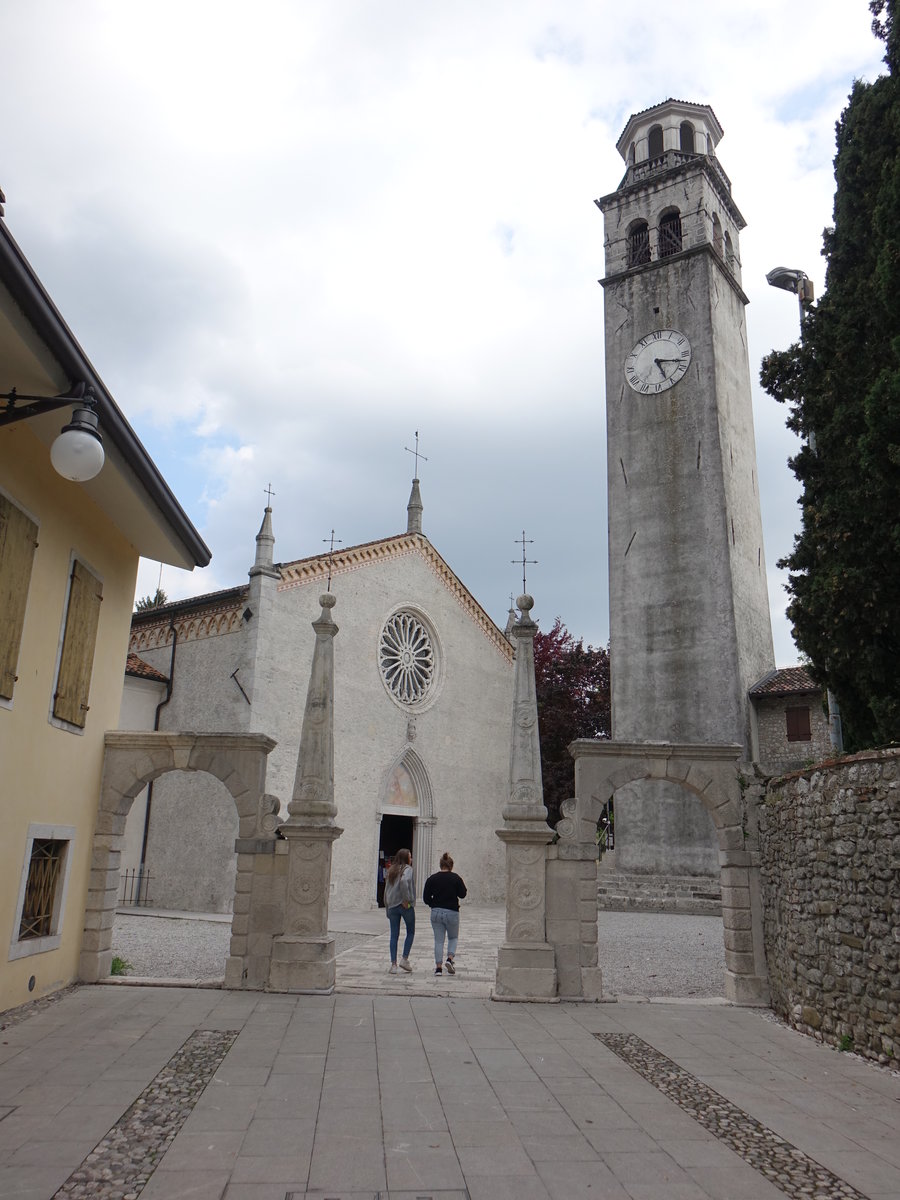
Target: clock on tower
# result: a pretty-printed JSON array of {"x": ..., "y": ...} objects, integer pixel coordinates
[{"x": 689, "y": 614}]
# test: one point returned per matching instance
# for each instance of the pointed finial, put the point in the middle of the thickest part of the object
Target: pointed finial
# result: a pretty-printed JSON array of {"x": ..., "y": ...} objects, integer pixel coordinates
[
  {"x": 414, "y": 509},
  {"x": 264, "y": 563}
]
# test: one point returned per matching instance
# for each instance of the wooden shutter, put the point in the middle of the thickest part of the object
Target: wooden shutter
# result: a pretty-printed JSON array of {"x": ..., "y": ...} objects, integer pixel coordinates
[
  {"x": 73, "y": 683},
  {"x": 18, "y": 540},
  {"x": 798, "y": 728}
]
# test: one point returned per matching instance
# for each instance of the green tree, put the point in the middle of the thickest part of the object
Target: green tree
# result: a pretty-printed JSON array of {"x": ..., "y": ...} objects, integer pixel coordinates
[
  {"x": 842, "y": 382},
  {"x": 572, "y": 686},
  {"x": 157, "y": 600}
]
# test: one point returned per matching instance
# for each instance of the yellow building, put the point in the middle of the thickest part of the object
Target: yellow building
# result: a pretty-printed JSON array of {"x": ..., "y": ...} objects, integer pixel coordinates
[{"x": 68, "y": 563}]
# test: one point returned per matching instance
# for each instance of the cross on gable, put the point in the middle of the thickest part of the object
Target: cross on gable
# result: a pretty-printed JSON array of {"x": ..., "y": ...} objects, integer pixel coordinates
[
  {"x": 525, "y": 561},
  {"x": 416, "y": 453}
]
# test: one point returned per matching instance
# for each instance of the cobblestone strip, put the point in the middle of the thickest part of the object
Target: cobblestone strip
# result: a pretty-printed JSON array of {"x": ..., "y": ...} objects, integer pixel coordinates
[
  {"x": 121, "y": 1163},
  {"x": 788, "y": 1168}
]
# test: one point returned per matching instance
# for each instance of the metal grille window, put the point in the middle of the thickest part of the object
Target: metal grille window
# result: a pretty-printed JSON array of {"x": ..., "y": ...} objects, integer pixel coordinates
[
  {"x": 41, "y": 888},
  {"x": 639, "y": 244},
  {"x": 406, "y": 658},
  {"x": 670, "y": 235}
]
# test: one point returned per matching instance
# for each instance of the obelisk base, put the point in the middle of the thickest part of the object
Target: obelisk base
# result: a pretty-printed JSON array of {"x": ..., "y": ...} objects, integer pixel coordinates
[
  {"x": 302, "y": 964},
  {"x": 526, "y": 972}
]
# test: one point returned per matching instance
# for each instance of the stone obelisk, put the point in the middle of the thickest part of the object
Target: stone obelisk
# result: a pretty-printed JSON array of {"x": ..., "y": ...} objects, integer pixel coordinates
[
  {"x": 526, "y": 963},
  {"x": 303, "y": 957}
]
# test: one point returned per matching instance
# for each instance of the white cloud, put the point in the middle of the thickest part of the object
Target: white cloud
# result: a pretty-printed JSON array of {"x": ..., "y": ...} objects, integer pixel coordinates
[{"x": 289, "y": 235}]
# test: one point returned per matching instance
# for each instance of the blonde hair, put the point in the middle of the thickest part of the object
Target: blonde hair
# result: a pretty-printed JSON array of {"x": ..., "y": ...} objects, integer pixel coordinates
[{"x": 446, "y": 862}]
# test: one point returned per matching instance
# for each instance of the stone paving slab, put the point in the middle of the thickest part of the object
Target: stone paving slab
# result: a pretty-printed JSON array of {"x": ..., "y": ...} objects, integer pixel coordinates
[{"x": 503, "y": 1101}]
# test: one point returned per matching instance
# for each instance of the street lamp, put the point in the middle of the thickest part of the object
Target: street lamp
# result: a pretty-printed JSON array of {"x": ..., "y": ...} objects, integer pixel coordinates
[
  {"x": 77, "y": 453},
  {"x": 792, "y": 279}
]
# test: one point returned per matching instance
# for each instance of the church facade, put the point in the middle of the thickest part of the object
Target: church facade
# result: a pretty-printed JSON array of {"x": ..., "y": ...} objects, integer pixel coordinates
[{"x": 423, "y": 702}]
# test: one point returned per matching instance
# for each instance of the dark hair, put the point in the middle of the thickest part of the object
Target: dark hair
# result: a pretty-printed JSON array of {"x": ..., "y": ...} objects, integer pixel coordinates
[
  {"x": 446, "y": 862},
  {"x": 401, "y": 859}
]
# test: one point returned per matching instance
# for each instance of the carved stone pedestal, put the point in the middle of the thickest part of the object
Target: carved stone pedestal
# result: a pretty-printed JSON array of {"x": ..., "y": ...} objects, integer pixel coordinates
[
  {"x": 303, "y": 957},
  {"x": 526, "y": 963}
]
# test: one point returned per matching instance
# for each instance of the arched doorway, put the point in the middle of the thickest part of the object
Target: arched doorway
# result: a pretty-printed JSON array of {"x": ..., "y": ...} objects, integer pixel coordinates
[
  {"x": 405, "y": 818},
  {"x": 131, "y": 761}
]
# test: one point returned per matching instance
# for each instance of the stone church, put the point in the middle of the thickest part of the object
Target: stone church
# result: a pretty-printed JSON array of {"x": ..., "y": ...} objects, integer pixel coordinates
[{"x": 423, "y": 703}]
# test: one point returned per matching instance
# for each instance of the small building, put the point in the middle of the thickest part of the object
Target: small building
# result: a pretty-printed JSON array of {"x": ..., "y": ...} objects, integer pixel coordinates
[
  {"x": 422, "y": 717},
  {"x": 68, "y": 565},
  {"x": 789, "y": 721}
]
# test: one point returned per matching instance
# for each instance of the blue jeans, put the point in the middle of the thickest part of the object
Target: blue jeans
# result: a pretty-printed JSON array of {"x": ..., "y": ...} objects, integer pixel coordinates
[
  {"x": 409, "y": 916},
  {"x": 444, "y": 921}
]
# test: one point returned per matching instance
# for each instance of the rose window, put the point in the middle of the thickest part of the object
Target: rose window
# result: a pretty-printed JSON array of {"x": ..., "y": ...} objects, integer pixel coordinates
[{"x": 406, "y": 657}]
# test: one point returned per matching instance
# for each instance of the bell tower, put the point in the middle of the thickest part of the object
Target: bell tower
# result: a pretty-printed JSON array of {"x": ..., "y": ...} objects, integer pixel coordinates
[{"x": 689, "y": 614}]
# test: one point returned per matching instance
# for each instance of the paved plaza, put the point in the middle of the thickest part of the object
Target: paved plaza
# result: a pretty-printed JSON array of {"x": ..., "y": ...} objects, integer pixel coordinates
[{"x": 402, "y": 1089}]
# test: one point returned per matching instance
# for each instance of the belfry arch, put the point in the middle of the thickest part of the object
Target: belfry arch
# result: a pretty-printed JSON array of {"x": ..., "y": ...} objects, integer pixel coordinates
[
  {"x": 130, "y": 762},
  {"x": 712, "y": 773}
]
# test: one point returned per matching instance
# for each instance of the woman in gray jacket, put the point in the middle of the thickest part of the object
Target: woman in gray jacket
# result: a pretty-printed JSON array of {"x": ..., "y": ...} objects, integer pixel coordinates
[{"x": 399, "y": 902}]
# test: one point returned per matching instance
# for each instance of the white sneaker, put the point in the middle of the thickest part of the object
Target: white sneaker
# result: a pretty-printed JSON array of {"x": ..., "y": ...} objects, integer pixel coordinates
[
  {"x": 404, "y": 965},
  {"x": 393, "y": 970}
]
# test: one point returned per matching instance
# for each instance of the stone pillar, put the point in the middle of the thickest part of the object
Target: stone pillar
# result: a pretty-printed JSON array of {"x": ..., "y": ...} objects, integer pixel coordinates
[
  {"x": 572, "y": 910},
  {"x": 526, "y": 963},
  {"x": 303, "y": 956}
]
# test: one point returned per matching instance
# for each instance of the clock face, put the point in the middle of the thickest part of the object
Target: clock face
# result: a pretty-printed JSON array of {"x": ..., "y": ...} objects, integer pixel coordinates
[{"x": 658, "y": 361}]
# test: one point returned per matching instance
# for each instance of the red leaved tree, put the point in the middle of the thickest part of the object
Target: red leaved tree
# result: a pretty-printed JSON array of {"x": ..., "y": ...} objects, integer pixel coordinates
[{"x": 572, "y": 684}]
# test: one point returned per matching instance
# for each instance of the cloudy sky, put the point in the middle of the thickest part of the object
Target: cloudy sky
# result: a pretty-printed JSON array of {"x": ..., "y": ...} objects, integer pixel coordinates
[{"x": 290, "y": 234}]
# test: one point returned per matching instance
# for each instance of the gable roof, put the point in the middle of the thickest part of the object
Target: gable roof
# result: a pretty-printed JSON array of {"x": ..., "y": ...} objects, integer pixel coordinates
[
  {"x": 217, "y": 612},
  {"x": 788, "y": 681}
]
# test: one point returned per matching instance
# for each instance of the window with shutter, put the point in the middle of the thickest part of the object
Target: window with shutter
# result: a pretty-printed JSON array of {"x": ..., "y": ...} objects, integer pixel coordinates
[
  {"x": 73, "y": 682},
  {"x": 798, "y": 727},
  {"x": 18, "y": 541}
]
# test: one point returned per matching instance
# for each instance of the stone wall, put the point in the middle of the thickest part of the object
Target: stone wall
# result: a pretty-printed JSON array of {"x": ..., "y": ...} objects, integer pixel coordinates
[{"x": 830, "y": 852}]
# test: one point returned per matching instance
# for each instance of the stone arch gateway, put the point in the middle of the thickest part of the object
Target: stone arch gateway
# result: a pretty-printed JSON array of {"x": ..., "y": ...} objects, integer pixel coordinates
[
  {"x": 131, "y": 761},
  {"x": 713, "y": 774}
]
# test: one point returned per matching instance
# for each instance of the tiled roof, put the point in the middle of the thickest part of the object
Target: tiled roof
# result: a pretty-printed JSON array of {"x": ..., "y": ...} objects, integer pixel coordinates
[
  {"x": 135, "y": 665},
  {"x": 153, "y": 615},
  {"x": 789, "y": 681}
]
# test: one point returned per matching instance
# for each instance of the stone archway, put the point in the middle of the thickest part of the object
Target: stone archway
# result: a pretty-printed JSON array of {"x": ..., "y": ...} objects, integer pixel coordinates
[
  {"x": 409, "y": 761},
  {"x": 709, "y": 772},
  {"x": 130, "y": 761}
]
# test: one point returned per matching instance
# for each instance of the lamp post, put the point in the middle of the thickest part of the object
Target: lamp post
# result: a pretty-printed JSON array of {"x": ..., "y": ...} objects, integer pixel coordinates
[
  {"x": 792, "y": 279},
  {"x": 77, "y": 453}
]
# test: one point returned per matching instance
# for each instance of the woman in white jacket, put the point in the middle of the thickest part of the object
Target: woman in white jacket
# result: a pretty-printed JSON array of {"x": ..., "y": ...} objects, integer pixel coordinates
[{"x": 399, "y": 902}]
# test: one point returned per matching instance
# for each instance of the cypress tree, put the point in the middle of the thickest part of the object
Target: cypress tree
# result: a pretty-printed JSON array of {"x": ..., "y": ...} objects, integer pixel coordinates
[{"x": 842, "y": 383}]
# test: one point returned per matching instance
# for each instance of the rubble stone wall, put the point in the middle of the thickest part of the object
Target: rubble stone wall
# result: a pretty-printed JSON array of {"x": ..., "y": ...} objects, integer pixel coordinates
[{"x": 830, "y": 858}]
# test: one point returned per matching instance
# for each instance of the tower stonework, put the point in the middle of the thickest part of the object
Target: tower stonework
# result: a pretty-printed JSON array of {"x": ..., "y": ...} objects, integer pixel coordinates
[{"x": 689, "y": 616}]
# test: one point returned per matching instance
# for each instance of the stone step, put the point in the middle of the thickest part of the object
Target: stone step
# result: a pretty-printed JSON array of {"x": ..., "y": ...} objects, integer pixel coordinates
[{"x": 624, "y": 891}]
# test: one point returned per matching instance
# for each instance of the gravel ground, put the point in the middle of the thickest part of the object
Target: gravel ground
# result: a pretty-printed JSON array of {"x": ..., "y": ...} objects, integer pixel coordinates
[{"x": 641, "y": 954}]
